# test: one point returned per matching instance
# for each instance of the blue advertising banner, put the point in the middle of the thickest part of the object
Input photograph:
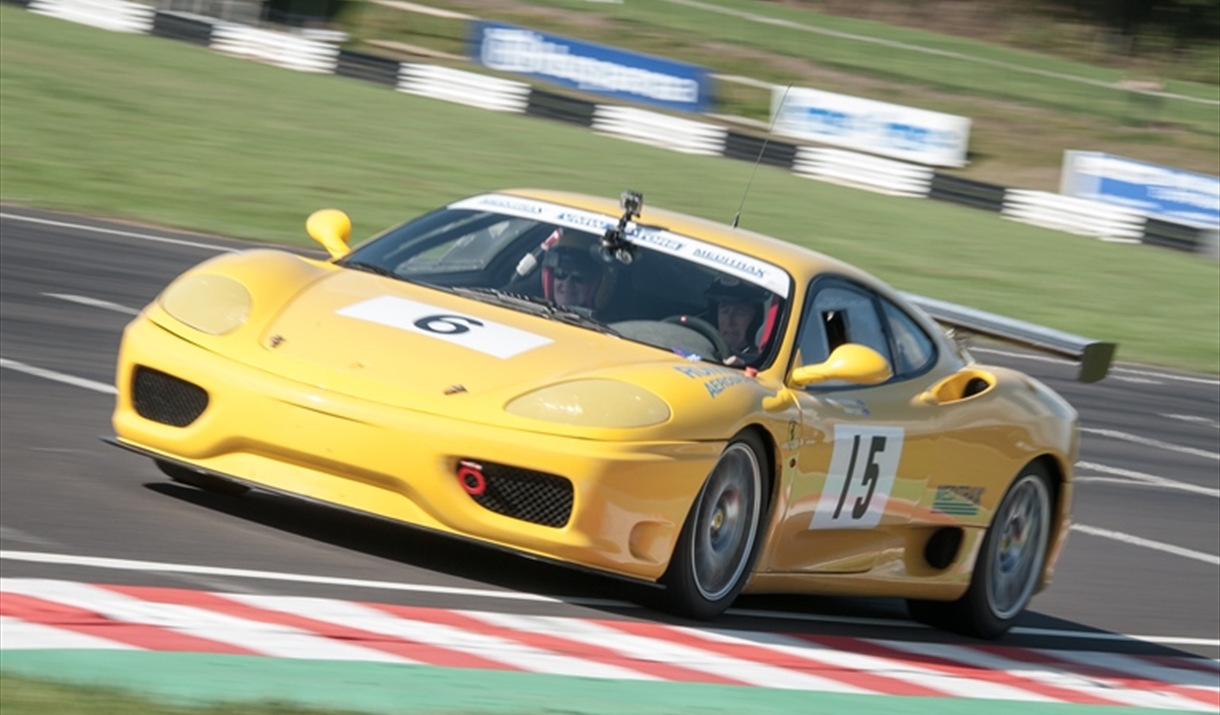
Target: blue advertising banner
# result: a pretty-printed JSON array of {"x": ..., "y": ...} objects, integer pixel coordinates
[
  {"x": 591, "y": 68},
  {"x": 1168, "y": 194}
]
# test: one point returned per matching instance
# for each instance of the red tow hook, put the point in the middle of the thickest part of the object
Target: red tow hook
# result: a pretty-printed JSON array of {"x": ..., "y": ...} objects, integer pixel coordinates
[{"x": 470, "y": 476}]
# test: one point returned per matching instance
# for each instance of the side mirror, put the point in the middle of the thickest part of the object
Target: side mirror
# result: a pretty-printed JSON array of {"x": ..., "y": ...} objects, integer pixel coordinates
[
  {"x": 850, "y": 362},
  {"x": 332, "y": 228}
]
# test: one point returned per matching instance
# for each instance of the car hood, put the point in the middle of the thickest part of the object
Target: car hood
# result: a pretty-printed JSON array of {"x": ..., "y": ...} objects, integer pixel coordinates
[{"x": 409, "y": 346}]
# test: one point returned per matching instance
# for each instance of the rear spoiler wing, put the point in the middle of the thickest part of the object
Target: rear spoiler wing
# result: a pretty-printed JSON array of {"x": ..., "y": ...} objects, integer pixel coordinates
[{"x": 1094, "y": 356}]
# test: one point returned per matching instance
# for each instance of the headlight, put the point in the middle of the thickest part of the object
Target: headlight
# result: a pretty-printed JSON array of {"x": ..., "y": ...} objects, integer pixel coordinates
[
  {"x": 208, "y": 303},
  {"x": 592, "y": 403}
]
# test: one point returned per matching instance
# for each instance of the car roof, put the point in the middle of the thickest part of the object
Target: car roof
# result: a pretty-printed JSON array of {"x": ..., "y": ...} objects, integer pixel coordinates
[{"x": 801, "y": 262}]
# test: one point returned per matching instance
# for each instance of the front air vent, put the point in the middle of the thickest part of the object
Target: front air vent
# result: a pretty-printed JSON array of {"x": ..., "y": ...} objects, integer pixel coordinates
[
  {"x": 943, "y": 547},
  {"x": 536, "y": 497},
  {"x": 166, "y": 399}
]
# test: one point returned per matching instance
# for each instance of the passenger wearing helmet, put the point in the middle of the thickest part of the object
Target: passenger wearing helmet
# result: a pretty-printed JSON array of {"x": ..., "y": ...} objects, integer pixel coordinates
[
  {"x": 738, "y": 309},
  {"x": 573, "y": 277}
]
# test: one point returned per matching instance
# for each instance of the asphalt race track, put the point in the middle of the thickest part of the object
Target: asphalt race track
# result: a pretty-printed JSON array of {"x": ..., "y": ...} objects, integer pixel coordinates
[{"x": 1141, "y": 573}]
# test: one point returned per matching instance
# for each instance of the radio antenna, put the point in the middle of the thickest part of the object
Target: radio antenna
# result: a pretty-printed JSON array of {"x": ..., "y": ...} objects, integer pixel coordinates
[{"x": 761, "y": 151}]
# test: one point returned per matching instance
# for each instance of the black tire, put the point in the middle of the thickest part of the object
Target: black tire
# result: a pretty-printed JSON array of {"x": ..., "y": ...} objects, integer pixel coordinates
[
  {"x": 720, "y": 539},
  {"x": 1009, "y": 565},
  {"x": 201, "y": 480}
]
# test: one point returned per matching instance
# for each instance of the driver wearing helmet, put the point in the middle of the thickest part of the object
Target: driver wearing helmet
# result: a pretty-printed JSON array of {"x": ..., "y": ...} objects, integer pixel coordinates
[
  {"x": 573, "y": 277},
  {"x": 738, "y": 308}
]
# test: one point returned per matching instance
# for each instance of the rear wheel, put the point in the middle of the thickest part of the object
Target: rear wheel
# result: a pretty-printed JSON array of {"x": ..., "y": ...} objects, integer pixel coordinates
[
  {"x": 719, "y": 541},
  {"x": 201, "y": 480},
  {"x": 1008, "y": 567}
]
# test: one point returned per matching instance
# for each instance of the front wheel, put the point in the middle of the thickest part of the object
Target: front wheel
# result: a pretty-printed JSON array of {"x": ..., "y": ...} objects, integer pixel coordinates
[
  {"x": 1008, "y": 567},
  {"x": 719, "y": 541}
]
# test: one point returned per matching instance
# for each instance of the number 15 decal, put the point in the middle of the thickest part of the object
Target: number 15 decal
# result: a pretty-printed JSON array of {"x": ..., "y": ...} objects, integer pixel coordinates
[{"x": 860, "y": 478}]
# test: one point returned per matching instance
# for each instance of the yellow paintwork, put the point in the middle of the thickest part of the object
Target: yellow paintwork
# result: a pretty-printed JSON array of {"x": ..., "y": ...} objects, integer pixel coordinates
[
  {"x": 852, "y": 363},
  {"x": 332, "y": 228},
  {"x": 346, "y": 412},
  {"x": 208, "y": 302}
]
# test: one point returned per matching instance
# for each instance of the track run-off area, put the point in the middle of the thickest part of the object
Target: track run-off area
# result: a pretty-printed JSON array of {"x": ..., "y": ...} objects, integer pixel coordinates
[{"x": 113, "y": 574}]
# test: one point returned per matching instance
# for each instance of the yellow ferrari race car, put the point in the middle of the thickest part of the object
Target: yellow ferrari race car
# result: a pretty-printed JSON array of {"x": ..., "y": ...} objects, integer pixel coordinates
[{"x": 623, "y": 389}]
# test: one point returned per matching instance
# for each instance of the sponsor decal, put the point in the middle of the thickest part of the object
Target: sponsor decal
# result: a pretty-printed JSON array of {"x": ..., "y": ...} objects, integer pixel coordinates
[
  {"x": 714, "y": 379},
  {"x": 508, "y": 203},
  {"x": 591, "y": 67},
  {"x": 792, "y": 442},
  {"x": 731, "y": 261},
  {"x": 957, "y": 500}
]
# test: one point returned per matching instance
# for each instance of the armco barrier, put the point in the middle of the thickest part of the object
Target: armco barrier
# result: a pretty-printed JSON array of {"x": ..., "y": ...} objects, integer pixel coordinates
[
  {"x": 864, "y": 171},
  {"x": 114, "y": 15},
  {"x": 1175, "y": 235},
  {"x": 748, "y": 147},
  {"x": 241, "y": 12},
  {"x": 278, "y": 48},
  {"x": 370, "y": 68},
  {"x": 186, "y": 29},
  {"x": 550, "y": 105},
  {"x": 638, "y": 125},
  {"x": 1079, "y": 216},
  {"x": 947, "y": 187},
  {"x": 476, "y": 90}
]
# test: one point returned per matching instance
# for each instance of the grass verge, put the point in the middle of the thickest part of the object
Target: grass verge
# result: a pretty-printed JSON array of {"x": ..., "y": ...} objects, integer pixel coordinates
[
  {"x": 162, "y": 132},
  {"x": 31, "y": 696}
]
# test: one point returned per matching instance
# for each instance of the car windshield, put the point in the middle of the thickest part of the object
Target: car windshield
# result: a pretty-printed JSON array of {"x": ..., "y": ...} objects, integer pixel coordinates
[{"x": 673, "y": 292}]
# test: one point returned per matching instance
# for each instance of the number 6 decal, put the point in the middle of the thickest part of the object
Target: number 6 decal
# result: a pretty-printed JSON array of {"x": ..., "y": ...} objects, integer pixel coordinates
[
  {"x": 860, "y": 478},
  {"x": 447, "y": 324}
]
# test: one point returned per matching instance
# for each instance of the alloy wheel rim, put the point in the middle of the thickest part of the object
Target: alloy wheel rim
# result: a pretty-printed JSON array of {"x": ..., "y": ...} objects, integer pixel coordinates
[
  {"x": 727, "y": 516},
  {"x": 1019, "y": 548}
]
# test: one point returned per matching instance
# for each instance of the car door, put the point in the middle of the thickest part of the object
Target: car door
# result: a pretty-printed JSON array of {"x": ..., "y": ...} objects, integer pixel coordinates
[{"x": 865, "y": 453}]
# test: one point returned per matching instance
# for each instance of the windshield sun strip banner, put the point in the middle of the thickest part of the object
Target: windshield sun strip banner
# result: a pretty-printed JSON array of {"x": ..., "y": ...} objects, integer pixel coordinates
[{"x": 739, "y": 265}]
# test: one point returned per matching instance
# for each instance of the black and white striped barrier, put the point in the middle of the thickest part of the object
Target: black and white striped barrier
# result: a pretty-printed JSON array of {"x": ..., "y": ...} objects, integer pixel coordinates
[
  {"x": 310, "y": 54},
  {"x": 470, "y": 88},
  {"x": 113, "y": 15}
]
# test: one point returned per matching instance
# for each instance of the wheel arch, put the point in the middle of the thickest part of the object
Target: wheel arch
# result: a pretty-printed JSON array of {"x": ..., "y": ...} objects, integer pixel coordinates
[
  {"x": 771, "y": 468},
  {"x": 1061, "y": 501}
]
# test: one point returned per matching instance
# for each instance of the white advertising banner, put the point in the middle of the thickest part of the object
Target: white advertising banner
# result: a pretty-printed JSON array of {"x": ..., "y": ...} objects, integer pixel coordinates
[
  {"x": 1161, "y": 191},
  {"x": 892, "y": 130}
]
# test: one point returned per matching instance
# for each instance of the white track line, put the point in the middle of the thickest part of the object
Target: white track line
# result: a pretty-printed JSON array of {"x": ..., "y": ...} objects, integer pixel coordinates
[
  {"x": 1148, "y": 544},
  {"x": 1194, "y": 419},
  {"x": 117, "y": 232},
  {"x": 1146, "y": 442},
  {"x": 58, "y": 377},
  {"x": 94, "y": 303},
  {"x": 1148, "y": 479},
  {"x": 153, "y": 566}
]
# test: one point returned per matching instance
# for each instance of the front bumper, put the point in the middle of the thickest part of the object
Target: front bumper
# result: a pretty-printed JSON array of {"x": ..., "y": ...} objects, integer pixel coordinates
[{"x": 629, "y": 498}]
